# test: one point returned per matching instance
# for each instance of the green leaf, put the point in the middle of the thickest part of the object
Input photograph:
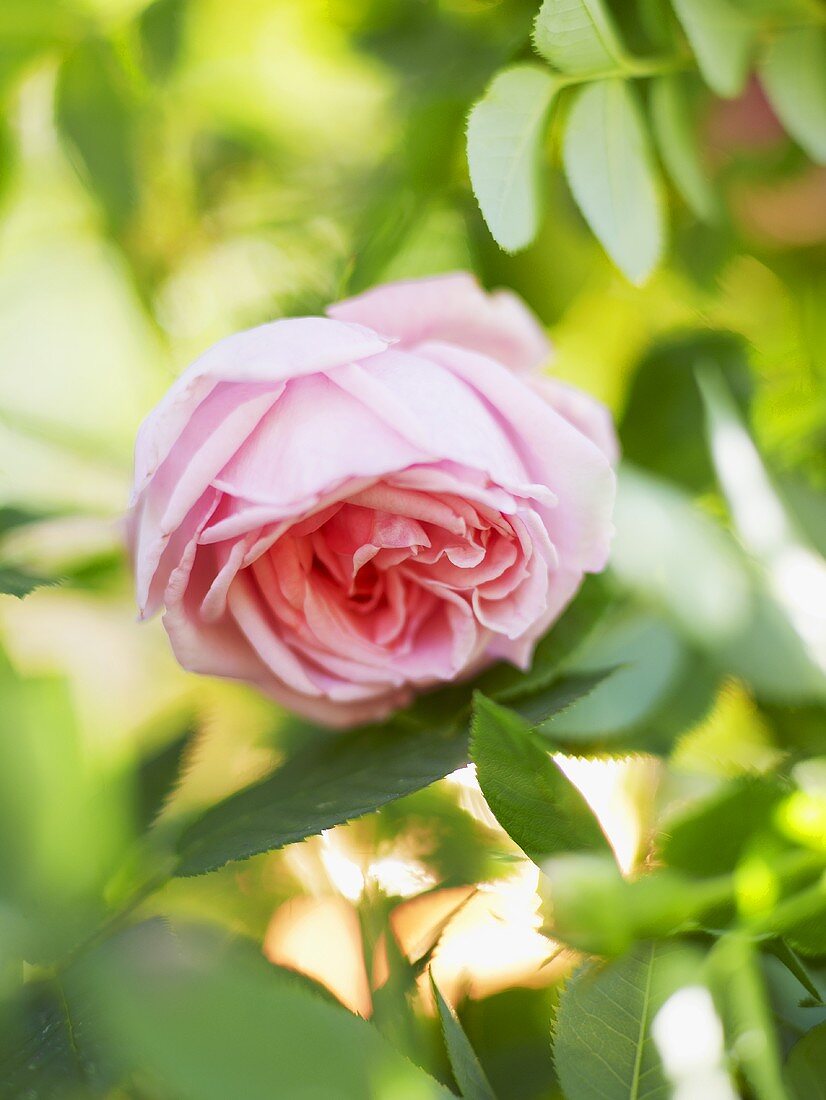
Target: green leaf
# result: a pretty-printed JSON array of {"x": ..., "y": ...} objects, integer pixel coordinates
[
  {"x": 543, "y": 706},
  {"x": 722, "y": 38},
  {"x": 156, "y": 777},
  {"x": 805, "y": 1071},
  {"x": 161, "y": 29},
  {"x": 346, "y": 776},
  {"x": 13, "y": 516},
  {"x": 200, "y": 1018},
  {"x": 577, "y": 36},
  {"x": 604, "y": 1048},
  {"x": 532, "y": 799},
  {"x": 740, "y": 989},
  {"x": 95, "y": 116},
  {"x": 793, "y": 74},
  {"x": 795, "y": 966},
  {"x": 470, "y": 1077},
  {"x": 676, "y": 138},
  {"x": 612, "y": 176},
  {"x": 710, "y": 837},
  {"x": 47, "y": 1047},
  {"x": 504, "y": 150},
  {"x": 20, "y": 582}
]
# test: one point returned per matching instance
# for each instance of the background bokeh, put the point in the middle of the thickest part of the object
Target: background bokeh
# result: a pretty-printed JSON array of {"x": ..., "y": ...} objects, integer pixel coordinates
[{"x": 171, "y": 173}]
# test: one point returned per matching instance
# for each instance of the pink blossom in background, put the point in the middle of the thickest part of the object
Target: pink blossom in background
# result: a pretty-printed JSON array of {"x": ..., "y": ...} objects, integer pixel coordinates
[{"x": 344, "y": 510}]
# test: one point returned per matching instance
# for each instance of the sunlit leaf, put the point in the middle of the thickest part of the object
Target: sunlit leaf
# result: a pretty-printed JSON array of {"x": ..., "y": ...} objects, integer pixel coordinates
[
  {"x": 577, "y": 36},
  {"x": 611, "y": 173},
  {"x": 722, "y": 38},
  {"x": 504, "y": 148},
  {"x": 675, "y": 133},
  {"x": 793, "y": 73},
  {"x": 532, "y": 798},
  {"x": 470, "y": 1077}
]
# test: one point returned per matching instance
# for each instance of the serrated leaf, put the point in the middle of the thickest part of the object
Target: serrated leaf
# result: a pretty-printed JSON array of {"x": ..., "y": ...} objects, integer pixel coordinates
[
  {"x": 346, "y": 776},
  {"x": 793, "y": 74},
  {"x": 611, "y": 173},
  {"x": 577, "y": 36},
  {"x": 504, "y": 147},
  {"x": 95, "y": 116},
  {"x": 676, "y": 138},
  {"x": 470, "y": 1077},
  {"x": 604, "y": 1049},
  {"x": 722, "y": 39},
  {"x": 531, "y": 797},
  {"x": 709, "y": 837},
  {"x": 805, "y": 1071},
  {"x": 540, "y": 708},
  {"x": 156, "y": 777},
  {"x": 20, "y": 582}
]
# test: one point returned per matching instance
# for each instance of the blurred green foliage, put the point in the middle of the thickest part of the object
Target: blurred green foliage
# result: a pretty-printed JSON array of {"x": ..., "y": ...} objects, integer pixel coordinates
[{"x": 172, "y": 171}]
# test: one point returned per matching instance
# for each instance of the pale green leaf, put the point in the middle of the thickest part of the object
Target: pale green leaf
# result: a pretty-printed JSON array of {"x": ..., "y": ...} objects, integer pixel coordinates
[
  {"x": 805, "y": 1071},
  {"x": 610, "y": 170},
  {"x": 722, "y": 38},
  {"x": 604, "y": 1048},
  {"x": 504, "y": 146},
  {"x": 793, "y": 73},
  {"x": 531, "y": 797},
  {"x": 470, "y": 1077},
  {"x": 677, "y": 142},
  {"x": 577, "y": 36}
]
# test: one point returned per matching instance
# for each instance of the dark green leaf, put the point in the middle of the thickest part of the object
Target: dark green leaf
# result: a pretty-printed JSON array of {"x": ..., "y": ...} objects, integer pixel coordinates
[
  {"x": 604, "y": 1048},
  {"x": 470, "y": 1077},
  {"x": 542, "y": 707},
  {"x": 675, "y": 133},
  {"x": 156, "y": 778},
  {"x": 612, "y": 175},
  {"x": 805, "y": 1071},
  {"x": 577, "y": 36},
  {"x": 348, "y": 775},
  {"x": 662, "y": 425},
  {"x": 95, "y": 115},
  {"x": 710, "y": 837},
  {"x": 13, "y": 516},
  {"x": 795, "y": 965},
  {"x": 530, "y": 795},
  {"x": 161, "y": 28},
  {"x": 20, "y": 582},
  {"x": 722, "y": 38},
  {"x": 793, "y": 72},
  {"x": 48, "y": 1050},
  {"x": 504, "y": 148}
]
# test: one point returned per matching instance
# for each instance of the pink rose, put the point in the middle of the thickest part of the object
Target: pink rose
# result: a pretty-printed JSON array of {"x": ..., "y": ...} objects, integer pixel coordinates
[{"x": 345, "y": 510}]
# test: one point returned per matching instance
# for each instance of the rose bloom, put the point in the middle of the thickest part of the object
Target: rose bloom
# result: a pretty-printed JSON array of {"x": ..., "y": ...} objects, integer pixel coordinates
[{"x": 345, "y": 510}]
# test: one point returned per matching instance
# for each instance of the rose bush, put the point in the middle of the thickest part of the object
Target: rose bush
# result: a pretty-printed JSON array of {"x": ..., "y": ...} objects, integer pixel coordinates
[{"x": 344, "y": 510}]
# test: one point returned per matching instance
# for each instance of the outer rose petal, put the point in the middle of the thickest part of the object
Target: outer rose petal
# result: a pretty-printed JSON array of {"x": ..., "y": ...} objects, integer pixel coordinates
[
  {"x": 583, "y": 411},
  {"x": 270, "y": 353},
  {"x": 453, "y": 308}
]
